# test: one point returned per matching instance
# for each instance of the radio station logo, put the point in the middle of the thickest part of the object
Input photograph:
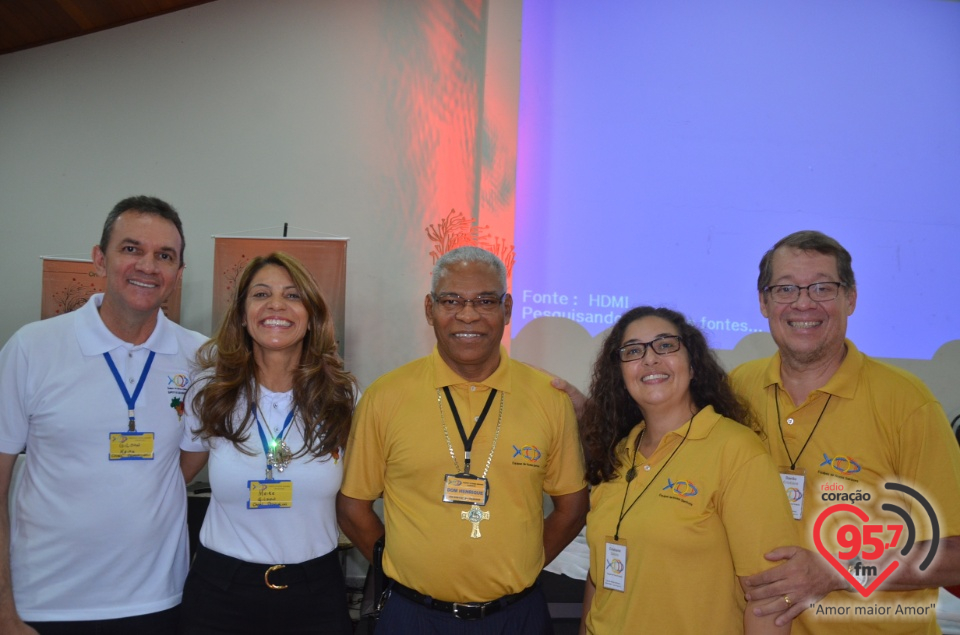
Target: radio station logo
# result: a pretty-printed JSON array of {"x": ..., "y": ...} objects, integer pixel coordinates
[{"x": 865, "y": 541}]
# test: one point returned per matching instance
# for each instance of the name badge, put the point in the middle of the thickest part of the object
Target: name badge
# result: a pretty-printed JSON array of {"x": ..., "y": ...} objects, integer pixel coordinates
[
  {"x": 270, "y": 494},
  {"x": 615, "y": 564},
  {"x": 131, "y": 446},
  {"x": 465, "y": 489},
  {"x": 793, "y": 485}
]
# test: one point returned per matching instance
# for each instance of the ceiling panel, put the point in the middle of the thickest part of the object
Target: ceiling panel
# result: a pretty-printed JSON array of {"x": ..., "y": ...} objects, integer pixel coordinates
[{"x": 28, "y": 23}]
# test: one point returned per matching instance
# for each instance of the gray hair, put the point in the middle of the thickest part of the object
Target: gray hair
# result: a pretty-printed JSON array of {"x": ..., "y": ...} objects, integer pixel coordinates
[
  {"x": 468, "y": 255},
  {"x": 809, "y": 240}
]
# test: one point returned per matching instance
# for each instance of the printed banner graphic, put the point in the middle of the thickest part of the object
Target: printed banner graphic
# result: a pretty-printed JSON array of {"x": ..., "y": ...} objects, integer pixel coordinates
[{"x": 69, "y": 282}]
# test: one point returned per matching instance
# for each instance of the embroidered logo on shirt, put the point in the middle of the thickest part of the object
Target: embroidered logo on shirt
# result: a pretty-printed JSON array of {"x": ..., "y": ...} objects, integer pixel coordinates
[
  {"x": 177, "y": 385},
  {"x": 841, "y": 464},
  {"x": 528, "y": 455},
  {"x": 683, "y": 488},
  {"x": 529, "y": 452},
  {"x": 177, "y": 404}
]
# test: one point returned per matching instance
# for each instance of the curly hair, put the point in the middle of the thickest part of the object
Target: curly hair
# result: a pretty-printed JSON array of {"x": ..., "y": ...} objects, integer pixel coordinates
[
  {"x": 323, "y": 392},
  {"x": 611, "y": 412}
]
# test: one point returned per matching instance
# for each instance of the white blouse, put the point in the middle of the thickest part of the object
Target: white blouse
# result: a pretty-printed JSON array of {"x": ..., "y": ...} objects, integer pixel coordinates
[{"x": 306, "y": 530}]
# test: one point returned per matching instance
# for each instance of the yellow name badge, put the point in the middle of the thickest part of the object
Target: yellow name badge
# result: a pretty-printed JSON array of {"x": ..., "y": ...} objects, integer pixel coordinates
[
  {"x": 131, "y": 446},
  {"x": 270, "y": 494},
  {"x": 465, "y": 489}
]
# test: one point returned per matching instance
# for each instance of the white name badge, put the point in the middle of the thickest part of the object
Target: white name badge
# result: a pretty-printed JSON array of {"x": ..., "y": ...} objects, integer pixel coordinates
[
  {"x": 793, "y": 485},
  {"x": 615, "y": 564}
]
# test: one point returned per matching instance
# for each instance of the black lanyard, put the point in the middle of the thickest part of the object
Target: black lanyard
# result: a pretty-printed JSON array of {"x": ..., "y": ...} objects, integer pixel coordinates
[
  {"x": 468, "y": 441},
  {"x": 623, "y": 513},
  {"x": 793, "y": 462}
]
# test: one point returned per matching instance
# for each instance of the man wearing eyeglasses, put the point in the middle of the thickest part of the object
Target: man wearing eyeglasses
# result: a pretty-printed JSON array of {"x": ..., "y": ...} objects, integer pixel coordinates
[
  {"x": 840, "y": 423},
  {"x": 462, "y": 445}
]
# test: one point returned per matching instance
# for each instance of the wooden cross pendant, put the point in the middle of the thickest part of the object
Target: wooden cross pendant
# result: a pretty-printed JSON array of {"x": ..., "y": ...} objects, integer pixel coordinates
[{"x": 475, "y": 515}]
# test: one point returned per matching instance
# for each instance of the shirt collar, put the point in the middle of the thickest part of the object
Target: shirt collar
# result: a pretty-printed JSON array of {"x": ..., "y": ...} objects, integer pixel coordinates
[
  {"x": 501, "y": 379},
  {"x": 698, "y": 427},
  {"x": 96, "y": 339},
  {"x": 843, "y": 383}
]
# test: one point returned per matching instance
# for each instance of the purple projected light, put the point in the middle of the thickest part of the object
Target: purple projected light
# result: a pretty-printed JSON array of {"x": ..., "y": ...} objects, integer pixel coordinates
[{"x": 664, "y": 147}]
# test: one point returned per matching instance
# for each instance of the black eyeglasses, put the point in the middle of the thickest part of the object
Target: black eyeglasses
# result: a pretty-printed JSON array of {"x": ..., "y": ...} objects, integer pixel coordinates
[
  {"x": 453, "y": 303},
  {"x": 790, "y": 293},
  {"x": 663, "y": 345}
]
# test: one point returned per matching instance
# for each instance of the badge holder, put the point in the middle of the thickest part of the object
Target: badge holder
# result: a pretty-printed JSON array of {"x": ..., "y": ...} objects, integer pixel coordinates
[
  {"x": 615, "y": 564},
  {"x": 465, "y": 489},
  {"x": 793, "y": 480},
  {"x": 270, "y": 494},
  {"x": 131, "y": 446}
]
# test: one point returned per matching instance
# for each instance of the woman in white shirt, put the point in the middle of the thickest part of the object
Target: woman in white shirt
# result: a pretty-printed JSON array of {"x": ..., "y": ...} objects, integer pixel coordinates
[{"x": 274, "y": 411}]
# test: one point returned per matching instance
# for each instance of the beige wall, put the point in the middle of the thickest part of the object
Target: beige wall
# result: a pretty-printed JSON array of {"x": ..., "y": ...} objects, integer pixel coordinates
[{"x": 245, "y": 114}]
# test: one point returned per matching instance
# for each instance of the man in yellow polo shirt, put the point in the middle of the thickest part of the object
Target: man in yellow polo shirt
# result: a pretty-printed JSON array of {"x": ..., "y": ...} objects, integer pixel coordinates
[
  {"x": 842, "y": 426},
  {"x": 462, "y": 445}
]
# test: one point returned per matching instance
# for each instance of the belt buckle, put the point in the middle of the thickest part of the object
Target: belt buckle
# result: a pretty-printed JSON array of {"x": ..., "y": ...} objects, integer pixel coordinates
[
  {"x": 469, "y": 611},
  {"x": 266, "y": 578}
]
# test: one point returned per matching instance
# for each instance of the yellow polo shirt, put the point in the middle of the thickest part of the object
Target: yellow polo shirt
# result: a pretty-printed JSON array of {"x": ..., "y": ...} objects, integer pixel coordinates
[
  {"x": 707, "y": 516},
  {"x": 397, "y": 448},
  {"x": 881, "y": 425}
]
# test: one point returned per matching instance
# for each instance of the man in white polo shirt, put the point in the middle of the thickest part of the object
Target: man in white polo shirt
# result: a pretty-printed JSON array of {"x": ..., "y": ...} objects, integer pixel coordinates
[{"x": 96, "y": 540}]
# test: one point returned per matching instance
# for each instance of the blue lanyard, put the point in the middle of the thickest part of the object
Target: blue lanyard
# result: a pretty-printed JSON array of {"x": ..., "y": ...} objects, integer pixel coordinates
[
  {"x": 270, "y": 446},
  {"x": 131, "y": 401}
]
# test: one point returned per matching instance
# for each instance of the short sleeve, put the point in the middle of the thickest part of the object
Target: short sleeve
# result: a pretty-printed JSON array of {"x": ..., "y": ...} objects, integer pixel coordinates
[
  {"x": 565, "y": 471},
  {"x": 930, "y": 462},
  {"x": 14, "y": 419},
  {"x": 363, "y": 459},
  {"x": 755, "y": 514}
]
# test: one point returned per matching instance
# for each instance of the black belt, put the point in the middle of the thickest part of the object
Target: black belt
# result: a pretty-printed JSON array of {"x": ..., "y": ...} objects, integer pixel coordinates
[
  {"x": 224, "y": 570},
  {"x": 462, "y": 610}
]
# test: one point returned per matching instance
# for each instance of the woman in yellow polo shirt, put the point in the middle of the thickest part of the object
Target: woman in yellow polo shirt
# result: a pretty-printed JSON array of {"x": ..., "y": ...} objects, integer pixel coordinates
[{"x": 686, "y": 499}]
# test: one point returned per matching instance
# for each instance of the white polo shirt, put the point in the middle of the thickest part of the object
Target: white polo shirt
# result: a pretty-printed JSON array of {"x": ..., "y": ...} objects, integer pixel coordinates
[{"x": 92, "y": 538}]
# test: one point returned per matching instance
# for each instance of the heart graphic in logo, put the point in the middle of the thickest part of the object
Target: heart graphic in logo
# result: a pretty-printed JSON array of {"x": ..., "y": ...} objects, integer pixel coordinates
[{"x": 862, "y": 515}]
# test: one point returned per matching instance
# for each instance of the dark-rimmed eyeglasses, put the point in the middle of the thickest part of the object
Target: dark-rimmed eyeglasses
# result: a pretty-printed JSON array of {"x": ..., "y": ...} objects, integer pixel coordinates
[
  {"x": 790, "y": 293},
  {"x": 663, "y": 345},
  {"x": 453, "y": 303}
]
